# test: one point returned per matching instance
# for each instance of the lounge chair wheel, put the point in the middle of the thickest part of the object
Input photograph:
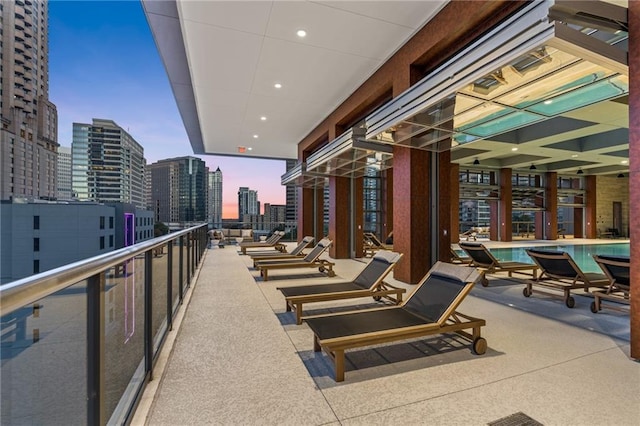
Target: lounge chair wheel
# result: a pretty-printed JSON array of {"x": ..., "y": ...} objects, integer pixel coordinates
[
  {"x": 485, "y": 282},
  {"x": 480, "y": 346},
  {"x": 322, "y": 269},
  {"x": 377, "y": 298},
  {"x": 331, "y": 274},
  {"x": 593, "y": 308},
  {"x": 570, "y": 302},
  {"x": 526, "y": 292}
]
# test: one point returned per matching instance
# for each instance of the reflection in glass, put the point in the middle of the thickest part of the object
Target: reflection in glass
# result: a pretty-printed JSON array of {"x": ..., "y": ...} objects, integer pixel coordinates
[{"x": 44, "y": 353}]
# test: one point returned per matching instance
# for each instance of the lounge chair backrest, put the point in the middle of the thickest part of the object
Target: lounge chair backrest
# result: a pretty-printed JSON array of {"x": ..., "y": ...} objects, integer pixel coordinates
[
  {"x": 379, "y": 267},
  {"x": 303, "y": 245},
  {"x": 616, "y": 268},
  {"x": 441, "y": 291},
  {"x": 273, "y": 238},
  {"x": 318, "y": 250},
  {"x": 556, "y": 264},
  {"x": 373, "y": 239},
  {"x": 479, "y": 253}
]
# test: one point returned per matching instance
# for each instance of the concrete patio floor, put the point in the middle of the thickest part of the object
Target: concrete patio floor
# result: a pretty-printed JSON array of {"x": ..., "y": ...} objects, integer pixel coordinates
[{"x": 236, "y": 357}]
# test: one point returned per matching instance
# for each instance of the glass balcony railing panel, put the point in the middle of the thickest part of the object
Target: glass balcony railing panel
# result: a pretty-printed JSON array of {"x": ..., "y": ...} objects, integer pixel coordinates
[
  {"x": 124, "y": 331},
  {"x": 175, "y": 273},
  {"x": 44, "y": 360},
  {"x": 185, "y": 275},
  {"x": 159, "y": 285}
]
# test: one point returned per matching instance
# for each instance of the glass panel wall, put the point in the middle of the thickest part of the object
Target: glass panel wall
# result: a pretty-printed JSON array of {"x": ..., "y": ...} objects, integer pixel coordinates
[
  {"x": 571, "y": 202},
  {"x": 372, "y": 199},
  {"x": 478, "y": 188},
  {"x": 527, "y": 198}
]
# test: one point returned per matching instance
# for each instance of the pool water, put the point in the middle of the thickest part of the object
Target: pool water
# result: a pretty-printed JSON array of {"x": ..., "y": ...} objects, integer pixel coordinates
[{"x": 582, "y": 254}]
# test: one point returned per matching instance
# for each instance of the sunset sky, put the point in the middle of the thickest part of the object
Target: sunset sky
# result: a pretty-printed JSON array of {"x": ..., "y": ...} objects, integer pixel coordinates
[{"x": 103, "y": 63}]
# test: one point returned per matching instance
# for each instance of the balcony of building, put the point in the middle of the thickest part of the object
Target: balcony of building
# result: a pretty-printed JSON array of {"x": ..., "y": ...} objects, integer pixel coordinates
[{"x": 200, "y": 338}]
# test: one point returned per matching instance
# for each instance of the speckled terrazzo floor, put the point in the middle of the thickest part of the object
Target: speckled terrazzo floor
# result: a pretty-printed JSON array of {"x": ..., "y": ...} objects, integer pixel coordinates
[{"x": 239, "y": 358}]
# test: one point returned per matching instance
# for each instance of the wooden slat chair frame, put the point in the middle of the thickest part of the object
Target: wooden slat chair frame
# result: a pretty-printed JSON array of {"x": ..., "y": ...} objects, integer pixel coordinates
[
  {"x": 372, "y": 244},
  {"x": 448, "y": 321},
  {"x": 559, "y": 272},
  {"x": 368, "y": 283},
  {"x": 487, "y": 263},
  {"x": 617, "y": 270},
  {"x": 311, "y": 260},
  {"x": 296, "y": 253},
  {"x": 272, "y": 242}
]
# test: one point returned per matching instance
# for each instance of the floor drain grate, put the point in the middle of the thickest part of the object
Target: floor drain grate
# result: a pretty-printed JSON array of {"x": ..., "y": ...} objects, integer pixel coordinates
[{"x": 517, "y": 419}]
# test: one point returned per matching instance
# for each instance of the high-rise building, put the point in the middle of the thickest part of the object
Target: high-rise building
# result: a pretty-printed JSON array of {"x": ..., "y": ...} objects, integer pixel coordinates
[
  {"x": 29, "y": 122},
  {"x": 214, "y": 206},
  {"x": 291, "y": 215},
  {"x": 179, "y": 188},
  {"x": 248, "y": 203},
  {"x": 107, "y": 164},
  {"x": 65, "y": 188}
]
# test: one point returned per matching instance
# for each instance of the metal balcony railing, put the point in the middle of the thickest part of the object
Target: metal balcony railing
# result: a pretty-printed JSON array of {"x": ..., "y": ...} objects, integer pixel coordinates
[{"x": 79, "y": 342}]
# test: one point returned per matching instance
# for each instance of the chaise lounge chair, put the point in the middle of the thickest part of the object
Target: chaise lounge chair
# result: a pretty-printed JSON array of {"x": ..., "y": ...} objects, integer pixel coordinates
[
  {"x": 488, "y": 264},
  {"x": 431, "y": 309},
  {"x": 311, "y": 260},
  {"x": 296, "y": 253},
  {"x": 369, "y": 283},
  {"x": 616, "y": 268},
  {"x": 372, "y": 244},
  {"x": 272, "y": 241},
  {"x": 460, "y": 260},
  {"x": 560, "y": 272}
]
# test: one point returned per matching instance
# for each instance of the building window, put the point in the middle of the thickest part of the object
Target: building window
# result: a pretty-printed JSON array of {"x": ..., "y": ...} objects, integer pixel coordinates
[
  {"x": 36, "y": 222},
  {"x": 101, "y": 222},
  {"x": 102, "y": 243},
  {"x": 36, "y": 266},
  {"x": 36, "y": 244},
  {"x": 110, "y": 240},
  {"x": 110, "y": 222}
]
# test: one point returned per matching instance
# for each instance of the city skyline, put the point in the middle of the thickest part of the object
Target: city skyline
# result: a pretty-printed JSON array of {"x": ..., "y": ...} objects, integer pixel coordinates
[{"x": 104, "y": 64}]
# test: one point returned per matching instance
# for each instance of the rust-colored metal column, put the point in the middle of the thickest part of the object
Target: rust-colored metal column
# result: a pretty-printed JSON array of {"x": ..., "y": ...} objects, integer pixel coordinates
[
  {"x": 358, "y": 211},
  {"x": 551, "y": 206},
  {"x": 454, "y": 203},
  {"x": 578, "y": 213},
  {"x": 339, "y": 220},
  {"x": 634, "y": 173},
  {"x": 591, "y": 225},
  {"x": 411, "y": 216},
  {"x": 505, "y": 207}
]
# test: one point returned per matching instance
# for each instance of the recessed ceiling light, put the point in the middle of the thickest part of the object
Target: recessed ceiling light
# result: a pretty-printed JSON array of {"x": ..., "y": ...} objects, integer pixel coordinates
[
  {"x": 263, "y": 118},
  {"x": 624, "y": 162},
  {"x": 277, "y": 86},
  {"x": 255, "y": 136},
  {"x": 301, "y": 33},
  {"x": 574, "y": 155},
  {"x": 514, "y": 149},
  {"x": 548, "y": 101},
  {"x": 249, "y": 148}
]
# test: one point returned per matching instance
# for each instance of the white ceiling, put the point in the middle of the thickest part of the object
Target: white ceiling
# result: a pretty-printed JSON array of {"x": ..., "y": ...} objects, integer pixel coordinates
[{"x": 237, "y": 50}]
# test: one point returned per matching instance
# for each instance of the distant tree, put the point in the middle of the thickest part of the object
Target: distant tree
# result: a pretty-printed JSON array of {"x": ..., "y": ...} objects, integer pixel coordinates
[{"x": 159, "y": 229}]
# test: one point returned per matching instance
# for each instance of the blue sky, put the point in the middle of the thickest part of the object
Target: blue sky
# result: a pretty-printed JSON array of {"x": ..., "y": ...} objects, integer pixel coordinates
[{"x": 103, "y": 63}]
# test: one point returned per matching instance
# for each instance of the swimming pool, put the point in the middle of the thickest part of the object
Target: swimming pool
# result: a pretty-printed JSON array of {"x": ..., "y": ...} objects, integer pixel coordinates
[{"x": 582, "y": 254}]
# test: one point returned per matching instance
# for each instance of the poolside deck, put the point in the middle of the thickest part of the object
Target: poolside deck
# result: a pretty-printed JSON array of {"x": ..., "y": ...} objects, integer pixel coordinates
[{"x": 238, "y": 358}]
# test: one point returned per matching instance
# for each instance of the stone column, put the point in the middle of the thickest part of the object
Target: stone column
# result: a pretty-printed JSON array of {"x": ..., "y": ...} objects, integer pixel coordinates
[{"x": 411, "y": 216}]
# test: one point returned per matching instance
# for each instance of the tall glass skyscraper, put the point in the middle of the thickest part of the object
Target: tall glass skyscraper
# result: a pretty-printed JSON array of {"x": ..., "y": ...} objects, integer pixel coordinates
[
  {"x": 215, "y": 198},
  {"x": 179, "y": 190},
  {"x": 65, "y": 189},
  {"x": 29, "y": 129},
  {"x": 248, "y": 203},
  {"x": 107, "y": 164}
]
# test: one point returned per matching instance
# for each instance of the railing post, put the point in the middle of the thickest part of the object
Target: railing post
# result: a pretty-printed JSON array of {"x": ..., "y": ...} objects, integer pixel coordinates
[
  {"x": 95, "y": 350},
  {"x": 148, "y": 313},
  {"x": 188, "y": 258},
  {"x": 169, "y": 286},
  {"x": 181, "y": 269}
]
